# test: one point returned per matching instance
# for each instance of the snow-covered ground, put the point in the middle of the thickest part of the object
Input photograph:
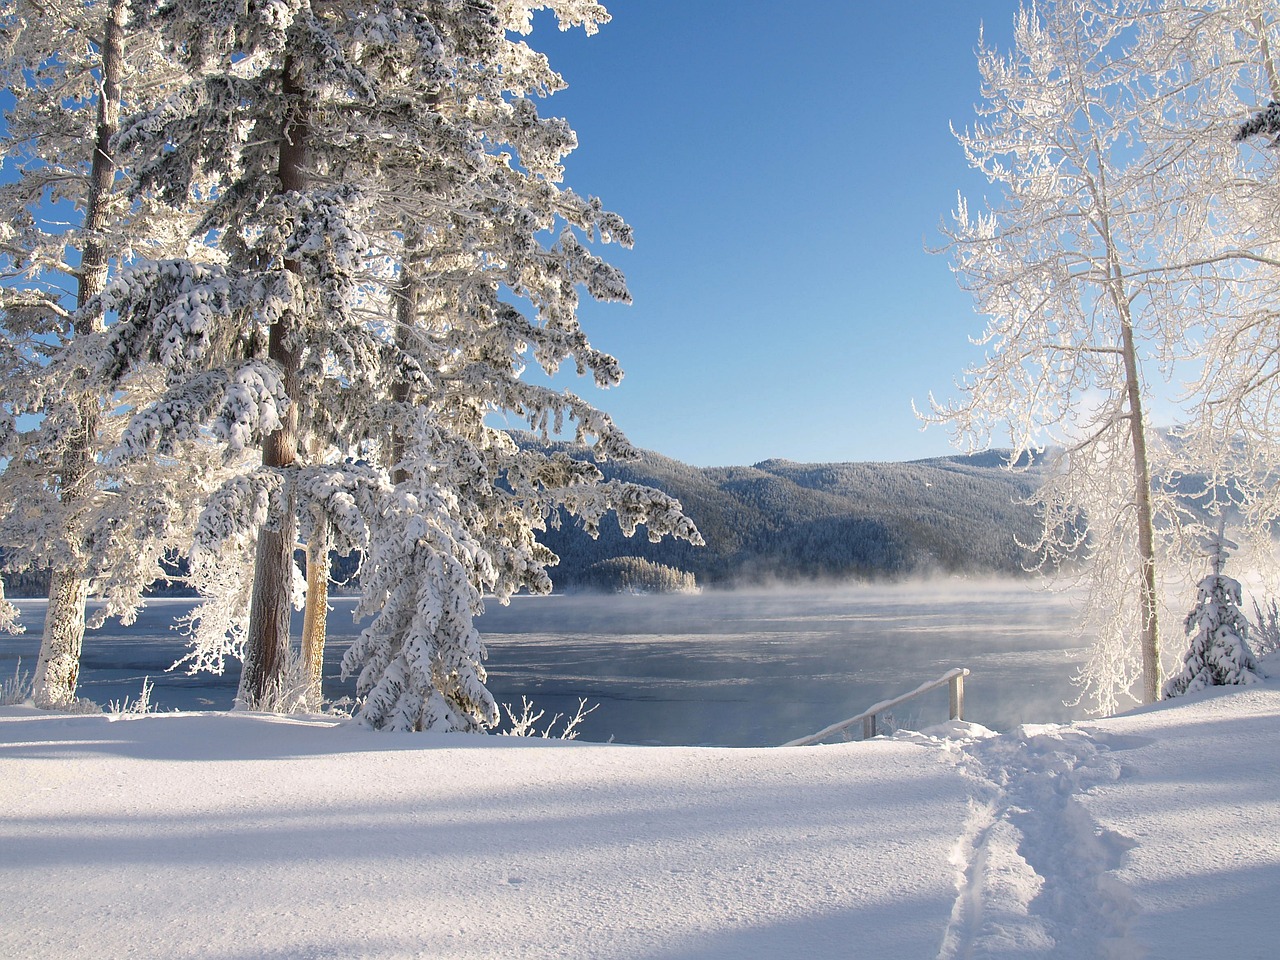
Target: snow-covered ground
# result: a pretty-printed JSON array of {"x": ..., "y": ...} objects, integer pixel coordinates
[{"x": 1155, "y": 834}]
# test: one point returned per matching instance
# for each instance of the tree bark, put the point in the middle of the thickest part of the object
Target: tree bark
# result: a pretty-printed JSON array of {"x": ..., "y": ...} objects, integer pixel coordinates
[
  {"x": 1148, "y": 612},
  {"x": 58, "y": 663},
  {"x": 267, "y": 646},
  {"x": 408, "y": 292},
  {"x": 1148, "y": 608},
  {"x": 316, "y": 618}
]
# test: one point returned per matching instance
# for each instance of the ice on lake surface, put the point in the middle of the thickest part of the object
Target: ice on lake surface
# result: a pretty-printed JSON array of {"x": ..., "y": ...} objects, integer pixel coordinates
[{"x": 730, "y": 668}]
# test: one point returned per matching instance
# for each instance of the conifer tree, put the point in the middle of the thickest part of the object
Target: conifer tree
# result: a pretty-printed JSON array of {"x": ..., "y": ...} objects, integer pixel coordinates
[
  {"x": 1219, "y": 653},
  {"x": 99, "y": 527},
  {"x": 383, "y": 175}
]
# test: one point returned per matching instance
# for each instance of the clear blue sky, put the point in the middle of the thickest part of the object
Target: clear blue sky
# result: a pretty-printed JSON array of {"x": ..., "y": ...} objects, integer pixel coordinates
[{"x": 784, "y": 167}]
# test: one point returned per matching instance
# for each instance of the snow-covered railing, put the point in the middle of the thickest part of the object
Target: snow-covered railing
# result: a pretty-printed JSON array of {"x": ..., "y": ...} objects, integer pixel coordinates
[{"x": 954, "y": 677}]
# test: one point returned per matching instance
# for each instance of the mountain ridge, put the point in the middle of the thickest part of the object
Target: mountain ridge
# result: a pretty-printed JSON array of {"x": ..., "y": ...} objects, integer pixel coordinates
[{"x": 779, "y": 519}]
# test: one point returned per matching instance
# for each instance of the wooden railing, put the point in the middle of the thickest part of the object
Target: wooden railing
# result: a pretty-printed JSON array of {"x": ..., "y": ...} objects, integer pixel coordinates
[{"x": 953, "y": 677}]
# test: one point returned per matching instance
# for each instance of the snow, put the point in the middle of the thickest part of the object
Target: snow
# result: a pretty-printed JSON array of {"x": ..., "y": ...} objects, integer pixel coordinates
[
  {"x": 1201, "y": 807},
  {"x": 1153, "y": 834}
]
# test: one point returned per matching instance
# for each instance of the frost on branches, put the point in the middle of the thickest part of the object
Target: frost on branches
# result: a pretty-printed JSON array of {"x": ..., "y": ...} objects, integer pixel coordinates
[
  {"x": 1228, "y": 55},
  {"x": 1266, "y": 122},
  {"x": 9, "y": 622},
  {"x": 99, "y": 526},
  {"x": 1104, "y": 272},
  {"x": 395, "y": 247},
  {"x": 1219, "y": 632},
  {"x": 221, "y": 569}
]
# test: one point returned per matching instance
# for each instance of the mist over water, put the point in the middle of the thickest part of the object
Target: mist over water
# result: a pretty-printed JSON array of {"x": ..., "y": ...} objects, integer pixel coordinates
[
  {"x": 751, "y": 668},
  {"x": 730, "y": 668}
]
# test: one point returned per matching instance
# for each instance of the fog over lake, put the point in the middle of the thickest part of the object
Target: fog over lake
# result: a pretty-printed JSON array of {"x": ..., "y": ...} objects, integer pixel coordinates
[{"x": 731, "y": 668}]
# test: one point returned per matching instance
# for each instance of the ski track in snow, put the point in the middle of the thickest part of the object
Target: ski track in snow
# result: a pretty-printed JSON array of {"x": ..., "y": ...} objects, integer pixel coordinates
[{"x": 1034, "y": 868}]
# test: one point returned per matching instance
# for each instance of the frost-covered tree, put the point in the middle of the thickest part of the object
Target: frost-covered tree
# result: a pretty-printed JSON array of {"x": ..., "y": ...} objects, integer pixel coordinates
[
  {"x": 100, "y": 527},
  {"x": 383, "y": 177},
  {"x": 1222, "y": 60},
  {"x": 1219, "y": 652},
  {"x": 1079, "y": 266},
  {"x": 450, "y": 310}
]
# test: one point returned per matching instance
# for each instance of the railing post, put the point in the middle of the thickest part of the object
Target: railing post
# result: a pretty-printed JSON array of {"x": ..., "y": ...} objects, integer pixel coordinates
[
  {"x": 868, "y": 727},
  {"x": 957, "y": 697}
]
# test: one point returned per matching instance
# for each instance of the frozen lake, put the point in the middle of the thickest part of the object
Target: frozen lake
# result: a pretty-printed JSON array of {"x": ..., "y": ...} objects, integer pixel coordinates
[{"x": 741, "y": 668}]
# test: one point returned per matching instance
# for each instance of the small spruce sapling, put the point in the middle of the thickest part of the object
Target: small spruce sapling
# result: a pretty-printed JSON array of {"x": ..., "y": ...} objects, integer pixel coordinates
[{"x": 1219, "y": 632}]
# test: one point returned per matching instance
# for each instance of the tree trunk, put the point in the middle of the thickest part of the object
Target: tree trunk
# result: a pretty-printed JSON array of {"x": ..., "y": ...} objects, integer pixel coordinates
[
  {"x": 58, "y": 664},
  {"x": 1148, "y": 609},
  {"x": 409, "y": 291},
  {"x": 267, "y": 647},
  {"x": 317, "y": 614},
  {"x": 1264, "y": 50},
  {"x": 1149, "y": 624}
]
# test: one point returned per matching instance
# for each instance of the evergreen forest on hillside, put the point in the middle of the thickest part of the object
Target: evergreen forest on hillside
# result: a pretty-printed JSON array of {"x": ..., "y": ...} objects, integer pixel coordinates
[
  {"x": 789, "y": 521},
  {"x": 780, "y": 520}
]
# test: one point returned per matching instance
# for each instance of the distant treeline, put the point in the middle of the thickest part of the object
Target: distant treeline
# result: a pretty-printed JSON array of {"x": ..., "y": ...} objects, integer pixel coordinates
[
  {"x": 792, "y": 521},
  {"x": 637, "y": 575},
  {"x": 788, "y": 521}
]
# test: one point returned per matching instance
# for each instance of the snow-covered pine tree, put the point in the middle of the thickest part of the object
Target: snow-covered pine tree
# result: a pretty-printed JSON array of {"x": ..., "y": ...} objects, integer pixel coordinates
[
  {"x": 472, "y": 344},
  {"x": 288, "y": 301},
  {"x": 371, "y": 289},
  {"x": 100, "y": 528},
  {"x": 1219, "y": 652}
]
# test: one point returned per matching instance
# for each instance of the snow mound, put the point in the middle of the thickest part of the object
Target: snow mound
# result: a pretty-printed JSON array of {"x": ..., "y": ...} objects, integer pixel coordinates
[{"x": 961, "y": 731}]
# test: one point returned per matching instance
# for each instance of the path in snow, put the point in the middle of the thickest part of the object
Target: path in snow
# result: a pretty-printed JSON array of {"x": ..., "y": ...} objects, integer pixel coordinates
[
  {"x": 1034, "y": 868},
  {"x": 1152, "y": 834}
]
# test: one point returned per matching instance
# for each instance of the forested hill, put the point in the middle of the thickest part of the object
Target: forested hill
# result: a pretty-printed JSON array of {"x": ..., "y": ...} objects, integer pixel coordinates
[
  {"x": 780, "y": 519},
  {"x": 790, "y": 521}
]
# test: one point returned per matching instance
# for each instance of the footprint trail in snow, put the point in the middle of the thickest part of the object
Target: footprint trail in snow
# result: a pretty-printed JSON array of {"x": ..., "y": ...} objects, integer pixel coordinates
[{"x": 1034, "y": 869}]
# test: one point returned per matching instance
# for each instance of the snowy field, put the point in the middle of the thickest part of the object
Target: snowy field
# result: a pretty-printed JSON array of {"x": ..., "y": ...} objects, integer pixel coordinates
[{"x": 239, "y": 837}]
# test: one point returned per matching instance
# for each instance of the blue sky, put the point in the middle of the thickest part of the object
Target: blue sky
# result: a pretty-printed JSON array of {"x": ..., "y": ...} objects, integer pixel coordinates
[{"x": 784, "y": 168}]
